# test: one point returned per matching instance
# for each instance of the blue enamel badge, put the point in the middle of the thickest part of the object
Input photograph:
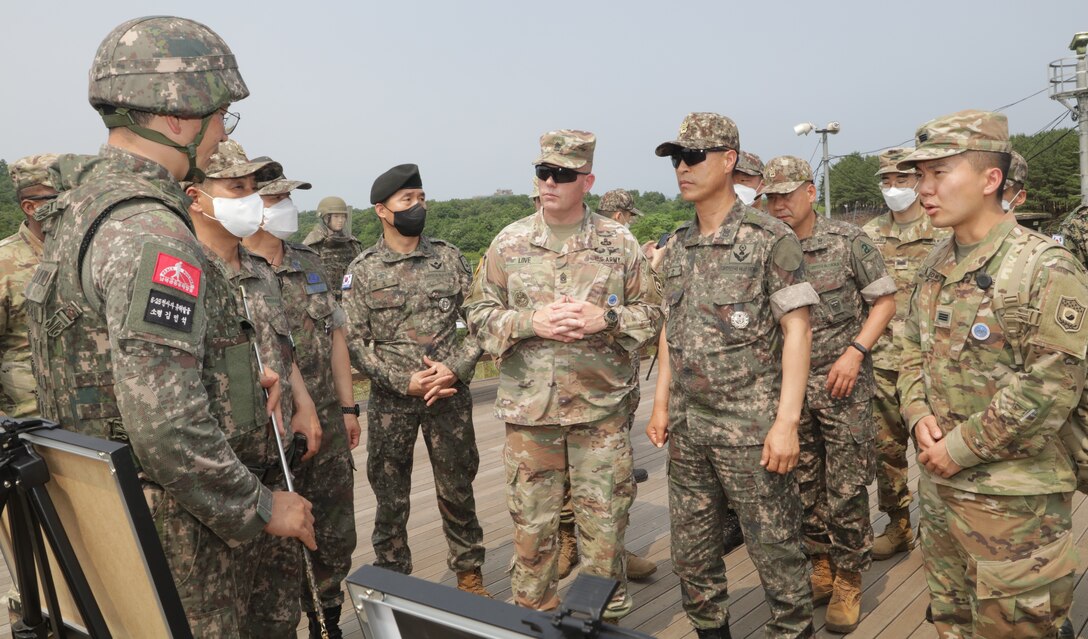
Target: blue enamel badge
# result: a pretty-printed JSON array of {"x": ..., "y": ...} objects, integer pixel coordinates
[
  {"x": 980, "y": 331},
  {"x": 613, "y": 300}
]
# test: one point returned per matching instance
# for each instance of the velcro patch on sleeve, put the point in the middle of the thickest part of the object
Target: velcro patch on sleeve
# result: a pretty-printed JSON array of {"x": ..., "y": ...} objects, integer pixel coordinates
[
  {"x": 170, "y": 311},
  {"x": 346, "y": 284},
  {"x": 177, "y": 274}
]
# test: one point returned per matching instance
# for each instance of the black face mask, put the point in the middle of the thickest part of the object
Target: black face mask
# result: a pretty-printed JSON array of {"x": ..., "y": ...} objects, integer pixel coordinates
[{"x": 410, "y": 221}]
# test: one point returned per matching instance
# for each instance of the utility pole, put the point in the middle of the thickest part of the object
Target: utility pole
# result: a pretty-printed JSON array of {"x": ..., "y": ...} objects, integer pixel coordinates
[
  {"x": 832, "y": 127},
  {"x": 1069, "y": 85}
]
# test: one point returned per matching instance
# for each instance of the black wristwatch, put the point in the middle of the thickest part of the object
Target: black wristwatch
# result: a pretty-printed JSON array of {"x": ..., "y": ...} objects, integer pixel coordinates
[
  {"x": 611, "y": 318},
  {"x": 861, "y": 349},
  {"x": 350, "y": 410}
]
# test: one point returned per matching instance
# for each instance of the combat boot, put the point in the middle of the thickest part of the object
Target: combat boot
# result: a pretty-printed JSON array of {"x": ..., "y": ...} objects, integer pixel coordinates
[
  {"x": 332, "y": 623},
  {"x": 639, "y": 568},
  {"x": 844, "y": 611},
  {"x": 823, "y": 580},
  {"x": 897, "y": 536},
  {"x": 472, "y": 582},
  {"x": 618, "y": 608},
  {"x": 568, "y": 549},
  {"x": 714, "y": 633}
]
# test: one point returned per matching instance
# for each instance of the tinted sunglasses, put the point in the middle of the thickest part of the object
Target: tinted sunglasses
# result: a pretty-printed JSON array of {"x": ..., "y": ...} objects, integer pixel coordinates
[
  {"x": 561, "y": 175},
  {"x": 691, "y": 157}
]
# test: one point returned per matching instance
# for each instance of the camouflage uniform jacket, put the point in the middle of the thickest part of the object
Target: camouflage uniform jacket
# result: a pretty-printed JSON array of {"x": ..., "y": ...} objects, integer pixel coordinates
[
  {"x": 142, "y": 344},
  {"x": 848, "y": 274},
  {"x": 1073, "y": 234},
  {"x": 1000, "y": 420},
  {"x": 726, "y": 293},
  {"x": 904, "y": 247},
  {"x": 544, "y": 381},
  {"x": 336, "y": 252},
  {"x": 19, "y": 256},
  {"x": 401, "y": 307}
]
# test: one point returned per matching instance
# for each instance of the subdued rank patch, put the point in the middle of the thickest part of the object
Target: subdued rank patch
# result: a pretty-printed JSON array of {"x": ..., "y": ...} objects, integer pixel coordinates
[
  {"x": 167, "y": 310},
  {"x": 980, "y": 331},
  {"x": 739, "y": 319},
  {"x": 613, "y": 300},
  {"x": 521, "y": 299},
  {"x": 742, "y": 252},
  {"x": 901, "y": 263},
  {"x": 1070, "y": 314},
  {"x": 314, "y": 284},
  {"x": 346, "y": 284},
  {"x": 177, "y": 274},
  {"x": 944, "y": 317},
  {"x": 437, "y": 264},
  {"x": 445, "y": 304}
]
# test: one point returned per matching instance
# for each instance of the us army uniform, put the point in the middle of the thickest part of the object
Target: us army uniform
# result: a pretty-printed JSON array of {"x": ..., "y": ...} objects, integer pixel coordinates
[
  {"x": 156, "y": 357},
  {"x": 336, "y": 248},
  {"x": 836, "y": 462},
  {"x": 20, "y": 254},
  {"x": 327, "y": 480},
  {"x": 565, "y": 405},
  {"x": 725, "y": 295},
  {"x": 1000, "y": 376},
  {"x": 401, "y": 307},
  {"x": 904, "y": 247}
]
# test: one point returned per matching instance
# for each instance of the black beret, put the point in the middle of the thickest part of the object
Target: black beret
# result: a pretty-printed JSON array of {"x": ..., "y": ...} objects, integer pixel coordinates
[{"x": 402, "y": 176}]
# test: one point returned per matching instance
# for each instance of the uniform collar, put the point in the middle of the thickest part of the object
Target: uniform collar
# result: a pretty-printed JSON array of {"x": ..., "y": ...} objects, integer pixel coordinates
[
  {"x": 424, "y": 249},
  {"x": 978, "y": 258},
  {"x": 726, "y": 233},
  {"x": 31, "y": 240},
  {"x": 542, "y": 236}
]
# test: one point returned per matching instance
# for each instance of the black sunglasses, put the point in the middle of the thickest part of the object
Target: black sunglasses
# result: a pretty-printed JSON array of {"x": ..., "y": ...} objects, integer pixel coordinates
[
  {"x": 561, "y": 175},
  {"x": 691, "y": 157}
]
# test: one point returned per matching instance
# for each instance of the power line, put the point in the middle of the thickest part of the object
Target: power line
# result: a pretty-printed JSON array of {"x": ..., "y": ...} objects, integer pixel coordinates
[
  {"x": 998, "y": 109},
  {"x": 1053, "y": 124},
  {"x": 1059, "y": 139},
  {"x": 813, "y": 156}
]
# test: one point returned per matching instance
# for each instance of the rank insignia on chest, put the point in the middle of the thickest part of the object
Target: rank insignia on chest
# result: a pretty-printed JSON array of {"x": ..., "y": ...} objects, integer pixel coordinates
[
  {"x": 521, "y": 299},
  {"x": 739, "y": 319},
  {"x": 742, "y": 252},
  {"x": 437, "y": 264},
  {"x": 901, "y": 264},
  {"x": 445, "y": 304},
  {"x": 943, "y": 318},
  {"x": 606, "y": 243},
  {"x": 1070, "y": 314}
]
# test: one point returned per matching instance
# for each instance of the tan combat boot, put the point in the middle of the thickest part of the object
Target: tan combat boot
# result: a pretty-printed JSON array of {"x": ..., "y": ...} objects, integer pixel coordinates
[
  {"x": 639, "y": 568},
  {"x": 844, "y": 611},
  {"x": 472, "y": 581},
  {"x": 897, "y": 536},
  {"x": 568, "y": 549},
  {"x": 823, "y": 580}
]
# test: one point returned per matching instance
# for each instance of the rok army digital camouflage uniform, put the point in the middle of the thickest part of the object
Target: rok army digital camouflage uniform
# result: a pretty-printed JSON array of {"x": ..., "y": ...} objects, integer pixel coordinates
[
  {"x": 904, "y": 246},
  {"x": 725, "y": 294},
  {"x": 402, "y": 307},
  {"x": 136, "y": 336},
  {"x": 332, "y": 238},
  {"x": 836, "y": 432},
  {"x": 20, "y": 255},
  {"x": 566, "y": 405},
  {"x": 994, "y": 351}
]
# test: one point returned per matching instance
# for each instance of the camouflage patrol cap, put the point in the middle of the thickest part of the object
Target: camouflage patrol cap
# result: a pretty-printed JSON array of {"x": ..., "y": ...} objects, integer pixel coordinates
[
  {"x": 890, "y": 159},
  {"x": 230, "y": 161},
  {"x": 958, "y": 132},
  {"x": 536, "y": 188},
  {"x": 749, "y": 163},
  {"x": 165, "y": 65},
  {"x": 1018, "y": 168},
  {"x": 785, "y": 174},
  {"x": 331, "y": 204},
  {"x": 702, "y": 131},
  {"x": 567, "y": 148},
  {"x": 281, "y": 185},
  {"x": 33, "y": 170},
  {"x": 618, "y": 200}
]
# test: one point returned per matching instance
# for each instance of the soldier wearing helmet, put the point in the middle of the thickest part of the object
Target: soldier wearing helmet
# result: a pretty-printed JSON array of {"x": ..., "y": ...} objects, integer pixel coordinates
[
  {"x": 332, "y": 238},
  {"x": 135, "y": 333}
]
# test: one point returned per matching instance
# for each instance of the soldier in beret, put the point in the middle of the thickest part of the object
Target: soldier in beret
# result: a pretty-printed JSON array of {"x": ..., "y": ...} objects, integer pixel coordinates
[
  {"x": 403, "y": 299},
  {"x": 564, "y": 297}
]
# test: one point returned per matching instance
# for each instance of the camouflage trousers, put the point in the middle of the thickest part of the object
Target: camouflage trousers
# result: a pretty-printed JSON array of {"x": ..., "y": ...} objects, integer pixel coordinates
[
  {"x": 700, "y": 477},
  {"x": 327, "y": 481},
  {"x": 270, "y": 578},
  {"x": 997, "y": 565},
  {"x": 566, "y": 516},
  {"x": 597, "y": 456},
  {"x": 451, "y": 444},
  {"x": 892, "y": 436},
  {"x": 833, "y": 473},
  {"x": 202, "y": 565}
]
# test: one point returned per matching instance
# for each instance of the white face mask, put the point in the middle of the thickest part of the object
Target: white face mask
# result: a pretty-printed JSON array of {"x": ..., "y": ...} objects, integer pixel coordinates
[
  {"x": 746, "y": 193},
  {"x": 1006, "y": 205},
  {"x": 281, "y": 219},
  {"x": 899, "y": 199},
  {"x": 241, "y": 216}
]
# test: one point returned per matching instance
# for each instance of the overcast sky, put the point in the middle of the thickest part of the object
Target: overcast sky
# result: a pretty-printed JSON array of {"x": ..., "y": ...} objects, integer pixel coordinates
[{"x": 342, "y": 91}]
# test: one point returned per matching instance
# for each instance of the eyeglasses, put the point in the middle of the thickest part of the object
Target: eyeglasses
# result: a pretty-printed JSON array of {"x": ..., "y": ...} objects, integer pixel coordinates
[
  {"x": 230, "y": 121},
  {"x": 691, "y": 157},
  {"x": 561, "y": 175}
]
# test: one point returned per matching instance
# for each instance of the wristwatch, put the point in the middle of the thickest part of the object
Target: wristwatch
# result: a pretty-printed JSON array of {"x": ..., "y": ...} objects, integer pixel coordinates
[
  {"x": 861, "y": 349},
  {"x": 611, "y": 318},
  {"x": 350, "y": 410}
]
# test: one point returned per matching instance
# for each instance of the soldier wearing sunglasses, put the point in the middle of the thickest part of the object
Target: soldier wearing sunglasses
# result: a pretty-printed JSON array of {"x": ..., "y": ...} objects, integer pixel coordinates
[
  {"x": 734, "y": 363},
  {"x": 564, "y": 297}
]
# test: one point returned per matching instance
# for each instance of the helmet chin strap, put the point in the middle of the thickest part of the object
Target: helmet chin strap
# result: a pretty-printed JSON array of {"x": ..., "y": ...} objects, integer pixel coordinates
[{"x": 122, "y": 118}]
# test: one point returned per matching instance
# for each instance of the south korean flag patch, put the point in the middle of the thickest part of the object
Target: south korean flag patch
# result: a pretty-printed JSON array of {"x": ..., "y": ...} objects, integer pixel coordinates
[{"x": 346, "y": 284}]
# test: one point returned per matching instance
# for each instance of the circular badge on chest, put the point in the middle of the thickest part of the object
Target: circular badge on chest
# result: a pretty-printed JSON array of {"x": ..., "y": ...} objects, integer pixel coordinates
[
  {"x": 739, "y": 319},
  {"x": 445, "y": 304},
  {"x": 980, "y": 331}
]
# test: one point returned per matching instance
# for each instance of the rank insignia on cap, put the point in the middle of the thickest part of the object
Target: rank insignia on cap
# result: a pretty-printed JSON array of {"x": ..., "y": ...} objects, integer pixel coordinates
[
  {"x": 177, "y": 274},
  {"x": 1070, "y": 314},
  {"x": 980, "y": 331},
  {"x": 613, "y": 299},
  {"x": 346, "y": 284}
]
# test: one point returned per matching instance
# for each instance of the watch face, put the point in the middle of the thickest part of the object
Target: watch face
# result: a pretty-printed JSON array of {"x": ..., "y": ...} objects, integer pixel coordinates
[{"x": 611, "y": 317}]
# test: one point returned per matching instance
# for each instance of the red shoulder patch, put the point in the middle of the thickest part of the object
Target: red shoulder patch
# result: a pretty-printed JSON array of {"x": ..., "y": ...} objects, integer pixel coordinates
[{"x": 177, "y": 274}]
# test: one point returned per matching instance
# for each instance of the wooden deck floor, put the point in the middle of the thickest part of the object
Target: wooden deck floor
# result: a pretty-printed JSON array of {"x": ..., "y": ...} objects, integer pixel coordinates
[{"x": 893, "y": 604}]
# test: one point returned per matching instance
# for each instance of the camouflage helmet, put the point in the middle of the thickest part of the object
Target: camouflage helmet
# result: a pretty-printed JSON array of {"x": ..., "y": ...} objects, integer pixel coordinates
[
  {"x": 1018, "y": 169},
  {"x": 331, "y": 205},
  {"x": 165, "y": 65}
]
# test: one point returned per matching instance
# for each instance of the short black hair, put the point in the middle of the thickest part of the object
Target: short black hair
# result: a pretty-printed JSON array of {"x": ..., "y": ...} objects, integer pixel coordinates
[{"x": 983, "y": 160}]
